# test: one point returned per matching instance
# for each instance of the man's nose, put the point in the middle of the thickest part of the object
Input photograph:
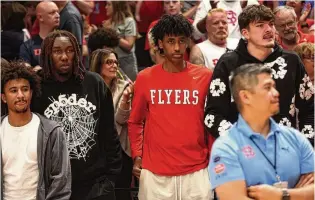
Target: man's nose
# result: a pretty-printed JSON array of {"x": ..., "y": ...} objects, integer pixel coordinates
[{"x": 20, "y": 94}]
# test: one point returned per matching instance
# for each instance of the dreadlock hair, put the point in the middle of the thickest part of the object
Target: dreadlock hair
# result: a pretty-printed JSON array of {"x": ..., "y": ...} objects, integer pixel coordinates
[
  {"x": 107, "y": 37},
  {"x": 46, "y": 51},
  {"x": 18, "y": 70},
  {"x": 171, "y": 25},
  {"x": 97, "y": 60}
]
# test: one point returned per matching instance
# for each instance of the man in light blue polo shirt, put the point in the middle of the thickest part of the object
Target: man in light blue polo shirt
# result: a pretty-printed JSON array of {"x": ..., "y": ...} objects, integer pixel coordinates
[{"x": 257, "y": 158}]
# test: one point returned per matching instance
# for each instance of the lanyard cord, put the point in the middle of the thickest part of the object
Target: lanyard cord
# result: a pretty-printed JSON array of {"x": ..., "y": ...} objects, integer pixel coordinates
[{"x": 274, "y": 166}]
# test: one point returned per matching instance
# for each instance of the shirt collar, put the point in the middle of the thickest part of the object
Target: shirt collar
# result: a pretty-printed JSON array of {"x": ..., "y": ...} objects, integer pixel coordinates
[{"x": 245, "y": 129}]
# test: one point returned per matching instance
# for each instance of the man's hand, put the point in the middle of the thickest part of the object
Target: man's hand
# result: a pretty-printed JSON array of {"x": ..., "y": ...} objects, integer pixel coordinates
[
  {"x": 137, "y": 166},
  {"x": 264, "y": 192},
  {"x": 305, "y": 180},
  {"x": 214, "y": 4}
]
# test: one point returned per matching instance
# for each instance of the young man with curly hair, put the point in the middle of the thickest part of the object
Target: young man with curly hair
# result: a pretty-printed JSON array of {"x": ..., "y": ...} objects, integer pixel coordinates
[
  {"x": 171, "y": 158},
  {"x": 34, "y": 155}
]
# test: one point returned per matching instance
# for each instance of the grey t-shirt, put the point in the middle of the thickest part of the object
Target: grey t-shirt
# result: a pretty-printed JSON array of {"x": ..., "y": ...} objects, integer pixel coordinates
[{"x": 128, "y": 28}]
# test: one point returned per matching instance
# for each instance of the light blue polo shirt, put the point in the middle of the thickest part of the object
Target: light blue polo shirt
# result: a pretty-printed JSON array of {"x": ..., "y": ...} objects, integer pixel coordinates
[{"x": 235, "y": 156}]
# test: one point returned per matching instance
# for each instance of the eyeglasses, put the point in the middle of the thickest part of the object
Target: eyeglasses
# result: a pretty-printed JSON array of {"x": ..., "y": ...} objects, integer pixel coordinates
[
  {"x": 111, "y": 62},
  {"x": 289, "y": 24}
]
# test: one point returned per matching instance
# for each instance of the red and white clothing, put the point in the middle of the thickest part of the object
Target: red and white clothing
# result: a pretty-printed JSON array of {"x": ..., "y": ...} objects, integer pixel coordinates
[
  {"x": 211, "y": 52},
  {"x": 173, "y": 142},
  {"x": 233, "y": 10}
]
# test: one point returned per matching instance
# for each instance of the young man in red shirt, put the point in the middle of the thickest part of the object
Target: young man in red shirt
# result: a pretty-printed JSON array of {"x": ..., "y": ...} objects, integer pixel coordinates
[{"x": 170, "y": 152}]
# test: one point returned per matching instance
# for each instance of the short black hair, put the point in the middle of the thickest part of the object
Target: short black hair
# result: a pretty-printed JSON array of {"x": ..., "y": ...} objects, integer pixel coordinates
[
  {"x": 107, "y": 37},
  {"x": 175, "y": 25},
  {"x": 245, "y": 78},
  {"x": 18, "y": 70},
  {"x": 254, "y": 13}
]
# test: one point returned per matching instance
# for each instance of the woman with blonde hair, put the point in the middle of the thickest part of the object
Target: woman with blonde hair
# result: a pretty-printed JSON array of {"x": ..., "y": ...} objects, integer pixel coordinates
[
  {"x": 121, "y": 20},
  {"x": 104, "y": 62},
  {"x": 305, "y": 51}
]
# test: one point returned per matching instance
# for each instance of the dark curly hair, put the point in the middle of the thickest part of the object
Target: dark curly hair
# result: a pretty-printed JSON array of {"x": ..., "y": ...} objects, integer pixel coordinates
[
  {"x": 175, "y": 25},
  {"x": 46, "y": 51},
  {"x": 254, "y": 13},
  {"x": 107, "y": 37},
  {"x": 17, "y": 70}
]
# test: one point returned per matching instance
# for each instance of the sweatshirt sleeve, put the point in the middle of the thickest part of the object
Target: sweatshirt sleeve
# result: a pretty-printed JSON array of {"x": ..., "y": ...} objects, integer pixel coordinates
[
  {"x": 108, "y": 129},
  {"x": 305, "y": 102},
  {"x": 218, "y": 101},
  {"x": 60, "y": 170},
  {"x": 137, "y": 117}
]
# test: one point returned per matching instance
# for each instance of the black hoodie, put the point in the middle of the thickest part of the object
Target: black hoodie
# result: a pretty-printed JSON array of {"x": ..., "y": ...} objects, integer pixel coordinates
[
  {"x": 295, "y": 88},
  {"x": 86, "y": 114}
]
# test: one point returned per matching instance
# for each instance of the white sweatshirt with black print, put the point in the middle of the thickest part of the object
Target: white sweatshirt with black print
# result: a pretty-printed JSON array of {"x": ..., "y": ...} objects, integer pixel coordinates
[{"x": 295, "y": 88}]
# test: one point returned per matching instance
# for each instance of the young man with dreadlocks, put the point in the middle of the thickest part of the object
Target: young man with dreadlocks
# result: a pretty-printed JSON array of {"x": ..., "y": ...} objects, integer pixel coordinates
[
  {"x": 171, "y": 158},
  {"x": 82, "y": 104},
  {"x": 33, "y": 151}
]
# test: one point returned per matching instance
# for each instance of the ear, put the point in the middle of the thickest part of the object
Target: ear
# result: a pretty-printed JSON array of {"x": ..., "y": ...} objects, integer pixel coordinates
[
  {"x": 31, "y": 95},
  {"x": 3, "y": 98},
  {"x": 39, "y": 17},
  {"x": 160, "y": 44},
  {"x": 188, "y": 43},
  {"x": 207, "y": 24},
  {"x": 245, "y": 33},
  {"x": 245, "y": 97}
]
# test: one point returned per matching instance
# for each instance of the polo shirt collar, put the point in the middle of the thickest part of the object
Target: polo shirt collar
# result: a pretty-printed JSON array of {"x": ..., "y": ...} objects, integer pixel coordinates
[{"x": 245, "y": 129}]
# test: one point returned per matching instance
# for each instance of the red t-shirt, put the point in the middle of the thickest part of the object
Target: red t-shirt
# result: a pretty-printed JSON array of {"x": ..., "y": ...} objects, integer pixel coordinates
[
  {"x": 149, "y": 11},
  {"x": 99, "y": 13},
  {"x": 310, "y": 22},
  {"x": 303, "y": 38},
  {"x": 173, "y": 109}
]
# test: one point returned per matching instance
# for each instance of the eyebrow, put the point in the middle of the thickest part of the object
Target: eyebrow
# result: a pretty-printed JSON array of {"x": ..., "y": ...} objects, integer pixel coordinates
[
  {"x": 269, "y": 83},
  {"x": 23, "y": 86},
  {"x": 59, "y": 47}
]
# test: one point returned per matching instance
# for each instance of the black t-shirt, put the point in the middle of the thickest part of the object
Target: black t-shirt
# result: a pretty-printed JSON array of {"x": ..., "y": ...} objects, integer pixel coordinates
[
  {"x": 71, "y": 20},
  {"x": 30, "y": 50}
]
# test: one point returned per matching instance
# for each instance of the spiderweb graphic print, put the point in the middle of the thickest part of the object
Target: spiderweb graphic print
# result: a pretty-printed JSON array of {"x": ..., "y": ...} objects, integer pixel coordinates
[{"x": 78, "y": 124}]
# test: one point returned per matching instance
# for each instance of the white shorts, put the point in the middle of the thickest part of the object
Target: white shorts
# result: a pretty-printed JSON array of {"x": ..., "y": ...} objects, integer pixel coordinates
[{"x": 194, "y": 186}]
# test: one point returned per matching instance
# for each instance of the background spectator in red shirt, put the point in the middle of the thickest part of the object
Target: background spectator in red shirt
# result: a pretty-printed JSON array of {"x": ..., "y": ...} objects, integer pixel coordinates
[{"x": 286, "y": 25}]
